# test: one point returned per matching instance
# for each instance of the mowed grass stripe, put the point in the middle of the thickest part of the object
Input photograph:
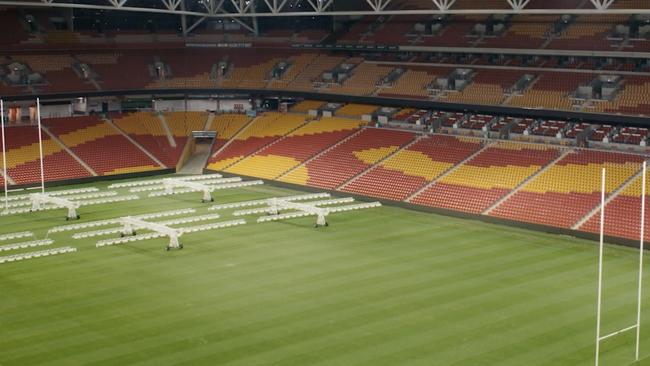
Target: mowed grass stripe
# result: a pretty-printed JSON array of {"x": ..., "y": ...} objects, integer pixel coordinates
[
  {"x": 379, "y": 297},
  {"x": 159, "y": 311},
  {"x": 270, "y": 264},
  {"x": 417, "y": 305},
  {"x": 430, "y": 241}
]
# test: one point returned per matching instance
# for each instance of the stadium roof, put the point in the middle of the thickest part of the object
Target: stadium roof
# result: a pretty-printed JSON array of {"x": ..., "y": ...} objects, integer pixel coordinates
[{"x": 280, "y": 8}]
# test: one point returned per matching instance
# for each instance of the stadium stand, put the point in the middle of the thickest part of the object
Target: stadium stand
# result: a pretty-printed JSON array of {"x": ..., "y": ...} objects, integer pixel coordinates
[
  {"x": 57, "y": 70},
  {"x": 454, "y": 34},
  {"x": 23, "y": 157},
  {"x": 363, "y": 81},
  {"x": 187, "y": 71},
  {"x": 226, "y": 125},
  {"x": 298, "y": 146},
  {"x": 552, "y": 90},
  {"x": 147, "y": 130},
  {"x": 355, "y": 110},
  {"x": 633, "y": 99},
  {"x": 92, "y": 140},
  {"x": 477, "y": 184},
  {"x": 262, "y": 131},
  {"x": 112, "y": 74},
  {"x": 411, "y": 168},
  {"x": 181, "y": 125},
  {"x": 588, "y": 32},
  {"x": 305, "y": 80},
  {"x": 525, "y": 31},
  {"x": 411, "y": 84},
  {"x": 306, "y": 105},
  {"x": 250, "y": 72},
  {"x": 568, "y": 190},
  {"x": 298, "y": 64},
  {"x": 622, "y": 214},
  {"x": 11, "y": 20},
  {"x": 346, "y": 160},
  {"x": 487, "y": 87}
]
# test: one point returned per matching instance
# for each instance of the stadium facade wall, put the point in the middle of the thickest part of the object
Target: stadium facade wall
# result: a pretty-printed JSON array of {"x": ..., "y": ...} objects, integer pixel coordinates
[
  {"x": 67, "y": 182},
  {"x": 231, "y": 94}
]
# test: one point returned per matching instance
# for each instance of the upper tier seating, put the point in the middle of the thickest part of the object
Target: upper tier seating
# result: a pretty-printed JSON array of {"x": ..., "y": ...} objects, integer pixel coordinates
[
  {"x": 58, "y": 72},
  {"x": 298, "y": 146},
  {"x": 479, "y": 183},
  {"x": 10, "y": 20},
  {"x": 92, "y": 140},
  {"x": 568, "y": 190},
  {"x": 395, "y": 30},
  {"x": 250, "y": 72},
  {"x": 348, "y": 159},
  {"x": 487, "y": 87},
  {"x": 250, "y": 69},
  {"x": 455, "y": 34},
  {"x": 262, "y": 131},
  {"x": 552, "y": 91},
  {"x": 588, "y": 32},
  {"x": 525, "y": 31},
  {"x": 23, "y": 164},
  {"x": 410, "y": 169},
  {"x": 298, "y": 64},
  {"x": 363, "y": 81},
  {"x": 633, "y": 98},
  {"x": 411, "y": 84},
  {"x": 355, "y": 110},
  {"x": 306, "y": 105},
  {"x": 187, "y": 71},
  {"x": 305, "y": 80},
  {"x": 112, "y": 75}
]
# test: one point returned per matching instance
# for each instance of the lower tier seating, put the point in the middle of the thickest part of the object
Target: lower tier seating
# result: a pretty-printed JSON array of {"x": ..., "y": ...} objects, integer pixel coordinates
[
  {"x": 226, "y": 125},
  {"x": 568, "y": 190},
  {"x": 350, "y": 158},
  {"x": 300, "y": 145},
  {"x": 260, "y": 132},
  {"x": 623, "y": 214},
  {"x": 482, "y": 181},
  {"x": 412, "y": 168},
  {"x": 23, "y": 164},
  {"x": 93, "y": 140},
  {"x": 147, "y": 130}
]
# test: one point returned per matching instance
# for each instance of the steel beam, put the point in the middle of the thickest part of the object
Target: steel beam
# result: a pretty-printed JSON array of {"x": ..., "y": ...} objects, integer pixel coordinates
[{"x": 244, "y": 8}]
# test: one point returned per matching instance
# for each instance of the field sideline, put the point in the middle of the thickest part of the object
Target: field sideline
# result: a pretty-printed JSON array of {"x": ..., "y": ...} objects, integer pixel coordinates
[{"x": 384, "y": 286}]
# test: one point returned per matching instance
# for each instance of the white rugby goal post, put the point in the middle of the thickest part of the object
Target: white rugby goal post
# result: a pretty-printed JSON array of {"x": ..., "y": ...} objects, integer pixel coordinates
[
  {"x": 637, "y": 325},
  {"x": 4, "y": 155},
  {"x": 4, "y": 150}
]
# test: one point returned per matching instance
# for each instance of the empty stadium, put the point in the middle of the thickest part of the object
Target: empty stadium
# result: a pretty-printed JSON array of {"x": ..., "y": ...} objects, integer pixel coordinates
[{"x": 324, "y": 182}]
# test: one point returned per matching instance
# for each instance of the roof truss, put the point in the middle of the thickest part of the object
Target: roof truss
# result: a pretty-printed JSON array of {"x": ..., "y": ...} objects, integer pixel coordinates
[{"x": 278, "y": 8}]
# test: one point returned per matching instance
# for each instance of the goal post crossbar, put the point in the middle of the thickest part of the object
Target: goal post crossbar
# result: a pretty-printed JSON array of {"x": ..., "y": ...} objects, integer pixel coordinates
[{"x": 610, "y": 335}]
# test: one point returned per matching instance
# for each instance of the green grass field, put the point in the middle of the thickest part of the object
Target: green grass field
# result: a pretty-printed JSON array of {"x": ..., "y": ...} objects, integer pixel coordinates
[{"x": 385, "y": 286}]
